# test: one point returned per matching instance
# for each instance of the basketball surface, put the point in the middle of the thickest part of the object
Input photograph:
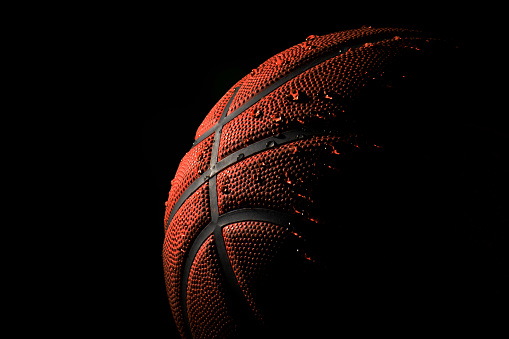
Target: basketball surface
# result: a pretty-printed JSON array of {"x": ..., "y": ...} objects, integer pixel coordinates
[{"x": 287, "y": 214}]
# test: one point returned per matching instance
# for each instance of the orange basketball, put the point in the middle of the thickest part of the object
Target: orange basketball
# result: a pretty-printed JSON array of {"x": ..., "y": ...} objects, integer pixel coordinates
[{"x": 276, "y": 215}]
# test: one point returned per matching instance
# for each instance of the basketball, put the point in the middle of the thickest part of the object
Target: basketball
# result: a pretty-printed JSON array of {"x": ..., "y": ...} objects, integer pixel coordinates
[{"x": 311, "y": 197}]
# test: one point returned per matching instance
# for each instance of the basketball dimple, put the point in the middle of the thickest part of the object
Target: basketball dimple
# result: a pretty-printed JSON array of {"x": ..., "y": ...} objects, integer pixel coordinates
[{"x": 270, "y": 145}]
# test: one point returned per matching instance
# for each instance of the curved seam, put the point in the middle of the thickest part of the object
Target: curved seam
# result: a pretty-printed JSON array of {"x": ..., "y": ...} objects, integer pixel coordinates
[
  {"x": 283, "y": 219},
  {"x": 336, "y": 51}
]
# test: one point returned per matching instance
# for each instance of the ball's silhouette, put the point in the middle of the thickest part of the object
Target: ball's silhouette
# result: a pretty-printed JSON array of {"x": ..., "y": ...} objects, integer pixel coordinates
[{"x": 330, "y": 188}]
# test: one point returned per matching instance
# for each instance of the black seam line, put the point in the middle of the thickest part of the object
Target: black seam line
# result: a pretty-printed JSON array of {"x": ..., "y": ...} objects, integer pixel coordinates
[
  {"x": 240, "y": 305},
  {"x": 217, "y": 136},
  {"x": 299, "y": 70},
  {"x": 254, "y": 148},
  {"x": 225, "y": 111},
  {"x": 214, "y": 208},
  {"x": 246, "y": 214}
]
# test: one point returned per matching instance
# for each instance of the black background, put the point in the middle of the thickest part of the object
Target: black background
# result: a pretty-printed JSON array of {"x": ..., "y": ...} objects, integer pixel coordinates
[{"x": 148, "y": 76}]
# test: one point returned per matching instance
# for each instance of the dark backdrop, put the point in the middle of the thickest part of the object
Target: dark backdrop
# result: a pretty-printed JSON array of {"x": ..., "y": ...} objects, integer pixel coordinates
[{"x": 154, "y": 73}]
